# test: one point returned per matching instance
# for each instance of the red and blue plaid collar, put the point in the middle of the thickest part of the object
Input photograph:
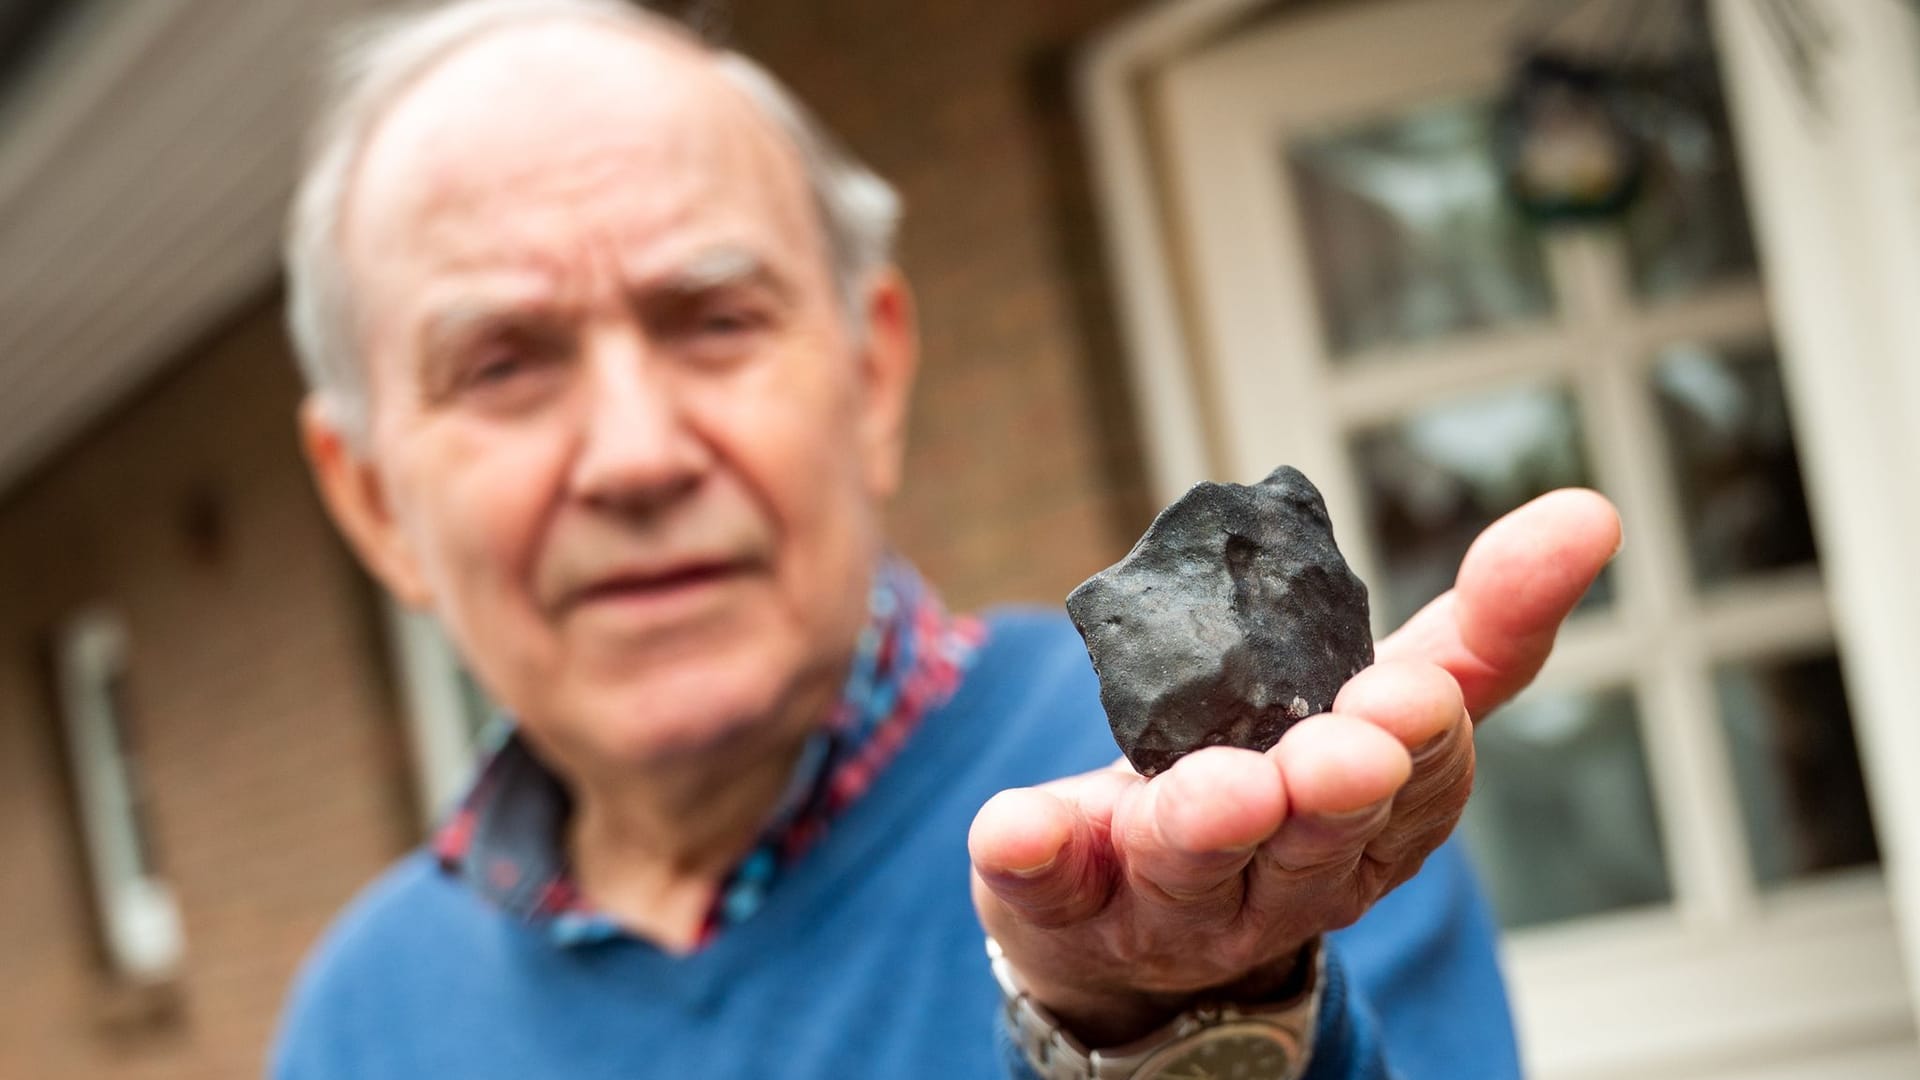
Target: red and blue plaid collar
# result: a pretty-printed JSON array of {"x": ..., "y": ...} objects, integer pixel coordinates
[{"x": 506, "y": 838}]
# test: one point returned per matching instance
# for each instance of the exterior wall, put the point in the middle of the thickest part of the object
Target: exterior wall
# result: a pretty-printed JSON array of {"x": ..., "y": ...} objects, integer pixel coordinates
[
  {"x": 275, "y": 766},
  {"x": 1024, "y": 472},
  {"x": 275, "y": 777}
]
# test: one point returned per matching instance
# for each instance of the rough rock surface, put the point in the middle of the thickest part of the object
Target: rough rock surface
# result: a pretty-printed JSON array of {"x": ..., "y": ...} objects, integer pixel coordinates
[{"x": 1233, "y": 618}]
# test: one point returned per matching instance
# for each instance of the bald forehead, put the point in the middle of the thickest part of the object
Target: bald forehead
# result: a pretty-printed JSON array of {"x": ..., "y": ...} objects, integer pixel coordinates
[{"x": 544, "y": 107}]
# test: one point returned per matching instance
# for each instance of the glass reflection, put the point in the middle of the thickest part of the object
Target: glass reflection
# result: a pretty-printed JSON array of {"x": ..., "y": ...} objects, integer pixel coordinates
[
  {"x": 1436, "y": 478},
  {"x": 1734, "y": 469},
  {"x": 1801, "y": 794},
  {"x": 1562, "y": 821},
  {"x": 1688, "y": 228},
  {"x": 1409, "y": 234}
]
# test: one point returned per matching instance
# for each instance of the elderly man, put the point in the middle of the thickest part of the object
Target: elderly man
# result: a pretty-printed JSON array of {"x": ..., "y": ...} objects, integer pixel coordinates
[{"x": 609, "y": 371}]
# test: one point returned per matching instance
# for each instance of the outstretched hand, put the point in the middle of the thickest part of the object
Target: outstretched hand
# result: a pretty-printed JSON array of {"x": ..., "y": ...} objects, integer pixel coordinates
[{"x": 1118, "y": 899}]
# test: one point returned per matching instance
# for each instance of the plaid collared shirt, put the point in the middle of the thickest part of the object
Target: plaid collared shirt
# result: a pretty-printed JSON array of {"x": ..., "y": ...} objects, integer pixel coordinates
[{"x": 506, "y": 839}]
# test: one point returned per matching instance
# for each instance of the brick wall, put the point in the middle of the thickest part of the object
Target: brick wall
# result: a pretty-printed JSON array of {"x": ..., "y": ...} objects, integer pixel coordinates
[
  {"x": 275, "y": 763},
  {"x": 1023, "y": 472},
  {"x": 263, "y": 725}
]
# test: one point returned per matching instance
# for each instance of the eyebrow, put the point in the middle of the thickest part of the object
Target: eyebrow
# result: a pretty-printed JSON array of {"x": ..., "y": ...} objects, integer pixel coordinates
[
  {"x": 443, "y": 330},
  {"x": 718, "y": 268},
  {"x": 463, "y": 317},
  {"x": 469, "y": 316},
  {"x": 707, "y": 270}
]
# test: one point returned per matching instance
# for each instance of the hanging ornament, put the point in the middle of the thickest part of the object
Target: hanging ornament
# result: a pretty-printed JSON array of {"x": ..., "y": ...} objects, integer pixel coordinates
[
  {"x": 1592, "y": 80},
  {"x": 1565, "y": 149}
]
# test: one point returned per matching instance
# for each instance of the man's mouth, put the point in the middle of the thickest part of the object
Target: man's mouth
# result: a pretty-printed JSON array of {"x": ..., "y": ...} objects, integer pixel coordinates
[{"x": 641, "y": 585}]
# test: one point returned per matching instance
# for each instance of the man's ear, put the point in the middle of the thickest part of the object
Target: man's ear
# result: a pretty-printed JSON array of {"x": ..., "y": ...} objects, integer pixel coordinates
[
  {"x": 356, "y": 498},
  {"x": 888, "y": 364}
]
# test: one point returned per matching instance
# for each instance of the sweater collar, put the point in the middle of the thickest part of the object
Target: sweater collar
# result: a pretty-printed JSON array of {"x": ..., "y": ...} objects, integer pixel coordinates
[{"x": 506, "y": 838}]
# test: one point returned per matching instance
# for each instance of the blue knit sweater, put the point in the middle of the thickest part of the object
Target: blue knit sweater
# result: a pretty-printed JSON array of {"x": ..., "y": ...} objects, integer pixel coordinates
[{"x": 865, "y": 962}]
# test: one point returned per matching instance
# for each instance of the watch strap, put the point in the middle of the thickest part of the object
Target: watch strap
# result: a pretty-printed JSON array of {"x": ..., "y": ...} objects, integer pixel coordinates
[{"x": 1055, "y": 1054}]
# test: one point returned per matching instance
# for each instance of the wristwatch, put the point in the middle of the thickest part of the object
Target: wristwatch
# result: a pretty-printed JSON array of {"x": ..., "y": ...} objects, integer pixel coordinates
[{"x": 1271, "y": 1041}]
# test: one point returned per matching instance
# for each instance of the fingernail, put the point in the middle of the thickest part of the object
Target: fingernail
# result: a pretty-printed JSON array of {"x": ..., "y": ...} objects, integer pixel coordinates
[
  {"x": 1430, "y": 749},
  {"x": 1035, "y": 870}
]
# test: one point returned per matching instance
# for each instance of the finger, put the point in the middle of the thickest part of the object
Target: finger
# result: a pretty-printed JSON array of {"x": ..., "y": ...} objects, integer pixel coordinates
[
  {"x": 1414, "y": 701},
  {"x": 1341, "y": 775},
  {"x": 1420, "y": 705},
  {"x": 1429, "y": 805},
  {"x": 1186, "y": 835},
  {"x": 1094, "y": 794},
  {"x": 1041, "y": 857},
  {"x": 1518, "y": 582}
]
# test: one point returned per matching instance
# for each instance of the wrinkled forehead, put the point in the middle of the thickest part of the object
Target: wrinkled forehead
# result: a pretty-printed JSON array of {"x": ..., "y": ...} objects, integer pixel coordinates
[{"x": 558, "y": 117}]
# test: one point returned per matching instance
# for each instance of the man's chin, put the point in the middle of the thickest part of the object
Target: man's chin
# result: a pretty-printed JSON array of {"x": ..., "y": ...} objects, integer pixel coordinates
[
  {"x": 678, "y": 719},
  {"x": 735, "y": 688}
]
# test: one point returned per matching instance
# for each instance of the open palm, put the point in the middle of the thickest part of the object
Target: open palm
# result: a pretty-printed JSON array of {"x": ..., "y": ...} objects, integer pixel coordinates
[{"x": 1118, "y": 898}]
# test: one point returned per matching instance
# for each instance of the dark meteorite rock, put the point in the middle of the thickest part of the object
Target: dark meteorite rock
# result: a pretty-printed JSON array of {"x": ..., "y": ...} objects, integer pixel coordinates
[{"x": 1233, "y": 618}]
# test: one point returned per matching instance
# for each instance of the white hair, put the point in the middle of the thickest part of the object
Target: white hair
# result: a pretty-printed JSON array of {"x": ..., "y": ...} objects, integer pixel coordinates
[{"x": 379, "y": 59}]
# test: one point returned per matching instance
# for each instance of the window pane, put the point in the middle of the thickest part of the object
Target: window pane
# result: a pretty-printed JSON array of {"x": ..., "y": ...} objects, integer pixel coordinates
[
  {"x": 1733, "y": 462},
  {"x": 1436, "y": 478},
  {"x": 1791, "y": 739},
  {"x": 1562, "y": 821},
  {"x": 1408, "y": 232},
  {"x": 120, "y": 753},
  {"x": 1688, "y": 228}
]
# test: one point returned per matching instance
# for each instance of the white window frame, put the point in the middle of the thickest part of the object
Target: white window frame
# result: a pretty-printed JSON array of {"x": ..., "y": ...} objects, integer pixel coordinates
[
  {"x": 1843, "y": 925},
  {"x": 138, "y": 915},
  {"x": 1835, "y": 193}
]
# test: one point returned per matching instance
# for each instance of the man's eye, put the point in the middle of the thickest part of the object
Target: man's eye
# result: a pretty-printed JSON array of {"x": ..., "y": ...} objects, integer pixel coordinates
[
  {"x": 497, "y": 368},
  {"x": 503, "y": 372},
  {"x": 727, "y": 321}
]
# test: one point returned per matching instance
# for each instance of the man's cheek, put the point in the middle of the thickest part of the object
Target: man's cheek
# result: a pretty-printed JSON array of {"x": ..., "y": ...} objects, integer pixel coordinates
[{"x": 463, "y": 558}]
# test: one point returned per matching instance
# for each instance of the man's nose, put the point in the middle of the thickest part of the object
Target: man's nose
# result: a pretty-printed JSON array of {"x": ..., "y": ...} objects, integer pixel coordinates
[{"x": 637, "y": 450}]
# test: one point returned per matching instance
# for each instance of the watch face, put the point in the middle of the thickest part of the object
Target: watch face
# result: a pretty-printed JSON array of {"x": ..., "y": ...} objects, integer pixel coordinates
[{"x": 1241, "y": 1051}]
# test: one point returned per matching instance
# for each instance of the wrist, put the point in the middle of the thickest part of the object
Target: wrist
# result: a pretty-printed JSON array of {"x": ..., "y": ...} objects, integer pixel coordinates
[
  {"x": 1097, "y": 1016},
  {"x": 1269, "y": 1039}
]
